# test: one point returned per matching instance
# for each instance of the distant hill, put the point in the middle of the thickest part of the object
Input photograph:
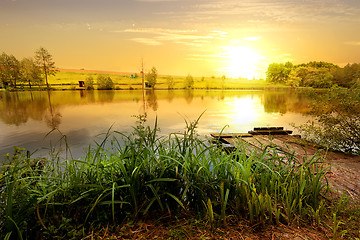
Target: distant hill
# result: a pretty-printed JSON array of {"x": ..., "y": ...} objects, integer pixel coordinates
[{"x": 94, "y": 71}]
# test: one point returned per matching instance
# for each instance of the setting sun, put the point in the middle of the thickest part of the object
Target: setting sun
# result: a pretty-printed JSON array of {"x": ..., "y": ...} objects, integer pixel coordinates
[{"x": 241, "y": 62}]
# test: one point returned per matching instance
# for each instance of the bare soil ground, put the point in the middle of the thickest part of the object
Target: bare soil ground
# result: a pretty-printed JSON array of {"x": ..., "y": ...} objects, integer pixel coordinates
[{"x": 189, "y": 228}]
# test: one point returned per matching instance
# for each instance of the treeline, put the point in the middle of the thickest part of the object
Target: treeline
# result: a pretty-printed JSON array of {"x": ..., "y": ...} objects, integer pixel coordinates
[
  {"x": 314, "y": 74},
  {"x": 30, "y": 71}
]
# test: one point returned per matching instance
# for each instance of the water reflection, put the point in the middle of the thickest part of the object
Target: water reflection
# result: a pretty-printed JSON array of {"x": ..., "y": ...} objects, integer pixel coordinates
[
  {"x": 283, "y": 102},
  {"x": 151, "y": 100},
  {"x": 189, "y": 95},
  {"x": 17, "y": 107},
  {"x": 81, "y": 115},
  {"x": 106, "y": 96},
  {"x": 53, "y": 116}
]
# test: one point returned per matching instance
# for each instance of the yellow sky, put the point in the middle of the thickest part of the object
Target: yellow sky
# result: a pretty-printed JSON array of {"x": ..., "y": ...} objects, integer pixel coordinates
[{"x": 179, "y": 37}]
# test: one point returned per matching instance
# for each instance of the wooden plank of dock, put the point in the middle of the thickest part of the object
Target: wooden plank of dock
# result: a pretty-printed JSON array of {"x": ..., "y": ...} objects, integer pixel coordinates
[{"x": 230, "y": 135}]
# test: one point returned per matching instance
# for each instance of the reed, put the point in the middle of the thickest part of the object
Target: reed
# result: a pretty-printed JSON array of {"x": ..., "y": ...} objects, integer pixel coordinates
[{"x": 126, "y": 177}]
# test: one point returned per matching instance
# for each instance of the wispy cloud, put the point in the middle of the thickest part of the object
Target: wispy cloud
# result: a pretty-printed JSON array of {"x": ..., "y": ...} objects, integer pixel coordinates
[
  {"x": 185, "y": 37},
  {"x": 158, "y": 31},
  {"x": 281, "y": 11},
  {"x": 207, "y": 58},
  {"x": 251, "y": 38},
  {"x": 155, "y": 0},
  {"x": 147, "y": 41},
  {"x": 354, "y": 43}
]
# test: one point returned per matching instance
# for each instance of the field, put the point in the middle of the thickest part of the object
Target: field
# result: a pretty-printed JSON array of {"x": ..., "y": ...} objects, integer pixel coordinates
[{"x": 69, "y": 79}]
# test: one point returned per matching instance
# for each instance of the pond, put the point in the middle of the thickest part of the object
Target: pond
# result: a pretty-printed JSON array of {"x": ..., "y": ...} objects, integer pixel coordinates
[{"x": 28, "y": 118}]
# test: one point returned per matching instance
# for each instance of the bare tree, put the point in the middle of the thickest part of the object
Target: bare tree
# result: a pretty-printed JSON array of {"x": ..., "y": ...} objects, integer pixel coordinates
[{"x": 44, "y": 60}]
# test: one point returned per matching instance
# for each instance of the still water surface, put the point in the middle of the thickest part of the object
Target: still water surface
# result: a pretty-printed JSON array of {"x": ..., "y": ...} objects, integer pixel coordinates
[{"x": 26, "y": 118}]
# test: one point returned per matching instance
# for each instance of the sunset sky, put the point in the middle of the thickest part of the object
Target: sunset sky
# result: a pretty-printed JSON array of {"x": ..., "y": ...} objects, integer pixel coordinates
[{"x": 179, "y": 37}]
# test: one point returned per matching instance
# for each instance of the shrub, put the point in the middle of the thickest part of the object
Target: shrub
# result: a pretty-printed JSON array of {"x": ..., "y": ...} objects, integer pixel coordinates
[
  {"x": 189, "y": 82},
  {"x": 104, "y": 83},
  {"x": 151, "y": 77},
  {"x": 89, "y": 83},
  {"x": 337, "y": 123},
  {"x": 170, "y": 82}
]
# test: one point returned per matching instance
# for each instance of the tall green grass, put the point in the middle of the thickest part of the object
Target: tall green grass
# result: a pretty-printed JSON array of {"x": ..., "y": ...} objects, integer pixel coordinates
[{"x": 127, "y": 177}]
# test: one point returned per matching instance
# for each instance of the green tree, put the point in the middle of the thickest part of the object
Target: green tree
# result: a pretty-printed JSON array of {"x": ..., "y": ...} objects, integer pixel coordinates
[
  {"x": 89, "y": 83},
  {"x": 318, "y": 78},
  {"x": 170, "y": 82},
  {"x": 347, "y": 76},
  {"x": 294, "y": 80},
  {"x": 279, "y": 72},
  {"x": 189, "y": 82},
  {"x": 105, "y": 82},
  {"x": 151, "y": 77},
  {"x": 30, "y": 72},
  {"x": 9, "y": 70},
  {"x": 315, "y": 64},
  {"x": 44, "y": 60},
  {"x": 223, "y": 78},
  {"x": 310, "y": 77}
]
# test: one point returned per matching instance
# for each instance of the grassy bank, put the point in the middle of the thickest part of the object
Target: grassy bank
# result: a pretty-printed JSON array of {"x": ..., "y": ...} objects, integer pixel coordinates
[{"x": 127, "y": 180}]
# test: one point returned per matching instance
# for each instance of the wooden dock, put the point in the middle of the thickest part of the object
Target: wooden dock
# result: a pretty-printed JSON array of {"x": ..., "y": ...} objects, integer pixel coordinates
[{"x": 344, "y": 174}]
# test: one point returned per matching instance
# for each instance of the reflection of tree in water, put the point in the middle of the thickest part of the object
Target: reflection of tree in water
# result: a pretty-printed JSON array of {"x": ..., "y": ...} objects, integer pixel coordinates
[
  {"x": 171, "y": 95},
  {"x": 16, "y": 108},
  {"x": 151, "y": 100},
  {"x": 82, "y": 93},
  {"x": 189, "y": 95},
  {"x": 52, "y": 117},
  {"x": 221, "y": 96},
  {"x": 106, "y": 95},
  {"x": 89, "y": 94},
  {"x": 282, "y": 102}
]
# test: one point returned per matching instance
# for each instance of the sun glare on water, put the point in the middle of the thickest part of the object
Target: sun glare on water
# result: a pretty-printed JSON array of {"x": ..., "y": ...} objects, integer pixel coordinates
[{"x": 241, "y": 62}]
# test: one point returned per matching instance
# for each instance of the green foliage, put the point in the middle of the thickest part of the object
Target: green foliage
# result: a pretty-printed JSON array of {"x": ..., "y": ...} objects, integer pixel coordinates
[
  {"x": 337, "y": 124},
  {"x": 310, "y": 77},
  {"x": 151, "y": 77},
  {"x": 31, "y": 73},
  {"x": 170, "y": 82},
  {"x": 315, "y": 64},
  {"x": 278, "y": 72},
  {"x": 348, "y": 76},
  {"x": 89, "y": 83},
  {"x": 314, "y": 74},
  {"x": 9, "y": 70},
  {"x": 189, "y": 82},
  {"x": 104, "y": 83}
]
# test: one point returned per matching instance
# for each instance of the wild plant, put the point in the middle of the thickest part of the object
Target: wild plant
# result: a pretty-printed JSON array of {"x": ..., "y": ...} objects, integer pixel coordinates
[{"x": 125, "y": 177}]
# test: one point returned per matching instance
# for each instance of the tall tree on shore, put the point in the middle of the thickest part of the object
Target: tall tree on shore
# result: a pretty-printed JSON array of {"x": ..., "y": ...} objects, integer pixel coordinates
[
  {"x": 31, "y": 73},
  {"x": 9, "y": 69},
  {"x": 152, "y": 76},
  {"x": 278, "y": 72},
  {"x": 44, "y": 60}
]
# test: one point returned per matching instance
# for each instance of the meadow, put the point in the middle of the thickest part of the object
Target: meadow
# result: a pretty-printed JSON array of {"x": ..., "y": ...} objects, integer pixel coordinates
[{"x": 70, "y": 80}]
